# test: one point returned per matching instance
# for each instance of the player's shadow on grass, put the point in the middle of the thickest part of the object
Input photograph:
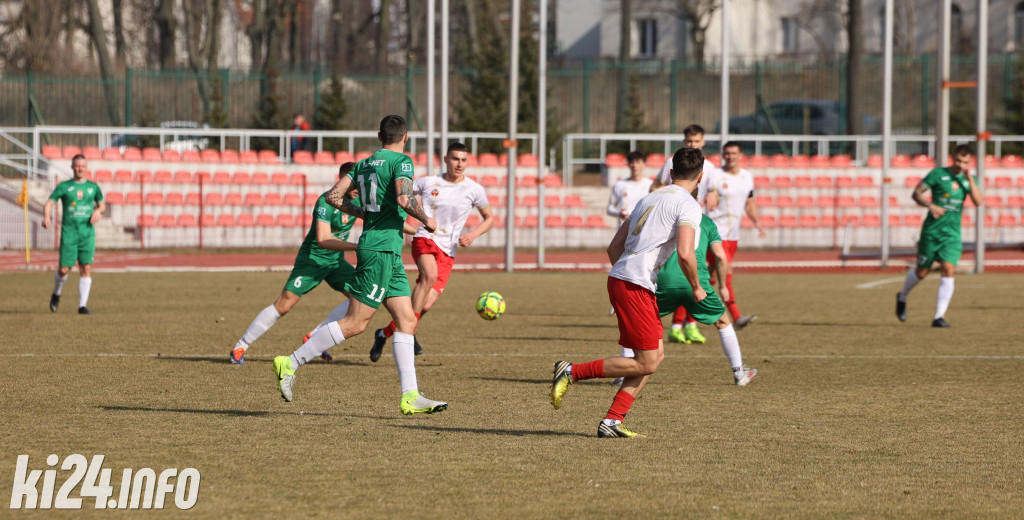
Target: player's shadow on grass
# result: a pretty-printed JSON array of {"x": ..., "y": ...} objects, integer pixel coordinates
[
  {"x": 491, "y": 431},
  {"x": 225, "y": 361},
  {"x": 229, "y": 413}
]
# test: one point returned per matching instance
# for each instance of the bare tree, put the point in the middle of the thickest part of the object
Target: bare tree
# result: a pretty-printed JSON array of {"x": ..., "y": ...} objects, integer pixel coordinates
[
  {"x": 166, "y": 33},
  {"x": 202, "y": 43},
  {"x": 698, "y": 13},
  {"x": 383, "y": 36},
  {"x": 625, "y": 60},
  {"x": 99, "y": 40},
  {"x": 815, "y": 18},
  {"x": 855, "y": 35},
  {"x": 26, "y": 41}
]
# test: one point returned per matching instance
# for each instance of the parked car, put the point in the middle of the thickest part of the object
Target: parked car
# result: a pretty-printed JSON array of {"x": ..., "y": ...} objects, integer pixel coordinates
[
  {"x": 799, "y": 117},
  {"x": 178, "y": 143}
]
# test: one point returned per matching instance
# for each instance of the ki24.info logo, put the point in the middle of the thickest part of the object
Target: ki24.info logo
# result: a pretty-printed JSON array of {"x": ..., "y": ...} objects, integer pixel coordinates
[{"x": 143, "y": 489}]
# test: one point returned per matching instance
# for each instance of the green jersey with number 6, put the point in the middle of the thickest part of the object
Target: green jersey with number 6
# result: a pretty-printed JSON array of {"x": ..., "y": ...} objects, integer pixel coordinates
[
  {"x": 948, "y": 192},
  {"x": 383, "y": 218},
  {"x": 341, "y": 224}
]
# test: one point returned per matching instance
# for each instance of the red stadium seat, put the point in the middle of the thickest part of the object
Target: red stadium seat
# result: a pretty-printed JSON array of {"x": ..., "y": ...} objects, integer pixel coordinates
[
  {"x": 553, "y": 180},
  {"x": 782, "y": 182},
  {"x": 268, "y": 157},
  {"x": 489, "y": 181},
  {"x": 187, "y": 220},
  {"x": 343, "y": 157},
  {"x": 875, "y": 161},
  {"x": 803, "y": 181},
  {"x": 123, "y": 176},
  {"x": 1006, "y": 220},
  {"x": 527, "y": 160},
  {"x": 759, "y": 161},
  {"x": 805, "y": 201},
  {"x": 248, "y": 157},
  {"x": 324, "y": 158},
  {"x": 596, "y": 222},
  {"x": 844, "y": 182},
  {"x": 111, "y": 154},
  {"x": 528, "y": 181},
  {"x": 768, "y": 222},
  {"x": 225, "y": 220},
  {"x": 845, "y": 201},
  {"x": 92, "y": 153},
  {"x": 784, "y": 201},
  {"x": 552, "y": 201},
  {"x": 820, "y": 161},
  {"x": 799, "y": 161},
  {"x": 911, "y": 182},
  {"x": 992, "y": 161},
  {"x": 279, "y": 179},
  {"x": 210, "y": 155},
  {"x": 272, "y": 199},
  {"x": 114, "y": 197},
  {"x": 865, "y": 181},
  {"x": 900, "y": 161},
  {"x": 170, "y": 156},
  {"x": 615, "y": 160},
  {"x": 163, "y": 177},
  {"x": 240, "y": 178},
  {"x": 214, "y": 199},
  {"x": 103, "y": 176},
  {"x": 145, "y": 221},
  {"x": 191, "y": 156},
  {"x": 154, "y": 198},
  {"x": 574, "y": 221},
  {"x": 144, "y": 176},
  {"x": 207, "y": 220},
  {"x": 264, "y": 220},
  {"x": 253, "y": 199},
  {"x": 51, "y": 151},
  {"x": 828, "y": 221},
  {"x": 165, "y": 221},
  {"x": 192, "y": 198},
  {"x": 923, "y": 161},
  {"x": 70, "y": 151},
  {"x": 182, "y": 177},
  {"x": 762, "y": 181},
  {"x": 473, "y": 220},
  {"x": 363, "y": 155},
  {"x": 175, "y": 198},
  {"x": 868, "y": 201},
  {"x": 1012, "y": 161},
  {"x": 133, "y": 197},
  {"x": 842, "y": 161},
  {"x": 991, "y": 201},
  {"x": 292, "y": 199},
  {"x": 574, "y": 201},
  {"x": 233, "y": 199},
  {"x": 809, "y": 221},
  {"x": 302, "y": 157},
  {"x": 554, "y": 222},
  {"x": 763, "y": 201},
  {"x": 229, "y": 156},
  {"x": 1003, "y": 182},
  {"x": 788, "y": 221},
  {"x": 285, "y": 220},
  {"x": 297, "y": 179},
  {"x": 488, "y": 159},
  {"x": 221, "y": 178},
  {"x": 1015, "y": 201},
  {"x": 260, "y": 179},
  {"x": 823, "y": 182},
  {"x": 826, "y": 201}
]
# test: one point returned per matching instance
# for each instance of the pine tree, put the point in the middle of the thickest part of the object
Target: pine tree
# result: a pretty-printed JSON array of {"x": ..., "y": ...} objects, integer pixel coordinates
[
  {"x": 217, "y": 117},
  {"x": 269, "y": 114},
  {"x": 1013, "y": 122},
  {"x": 330, "y": 113}
]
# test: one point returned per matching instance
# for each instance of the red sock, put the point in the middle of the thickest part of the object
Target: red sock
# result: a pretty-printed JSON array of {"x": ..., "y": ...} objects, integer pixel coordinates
[
  {"x": 734, "y": 311},
  {"x": 680, "y": 316},
  {"x": 620, "y": 406},
  {"x": 390, "y": 329},
  {"x": 588, "y": 370}
]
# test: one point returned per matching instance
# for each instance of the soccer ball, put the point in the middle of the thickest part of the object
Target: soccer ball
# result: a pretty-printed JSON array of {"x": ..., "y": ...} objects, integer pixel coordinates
[{"x": 490, "y": 305}]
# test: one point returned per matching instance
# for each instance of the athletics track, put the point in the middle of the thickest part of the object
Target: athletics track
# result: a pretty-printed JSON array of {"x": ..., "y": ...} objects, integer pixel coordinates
[{"x": 751, "y": 261}]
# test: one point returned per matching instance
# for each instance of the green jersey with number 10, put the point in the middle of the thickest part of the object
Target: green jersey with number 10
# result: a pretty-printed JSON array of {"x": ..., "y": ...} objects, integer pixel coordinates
[{"x": 383, "y": 218}]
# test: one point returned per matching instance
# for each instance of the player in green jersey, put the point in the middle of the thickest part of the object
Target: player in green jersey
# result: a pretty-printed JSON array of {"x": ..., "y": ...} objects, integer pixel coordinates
[
  {"x": 940, "y": 234},
  {"x": 82, "y": 204},
  {"x": 386, "y": 189},
  {"x": 321, "y": 258},
  {"x": 674, "y": 291}
]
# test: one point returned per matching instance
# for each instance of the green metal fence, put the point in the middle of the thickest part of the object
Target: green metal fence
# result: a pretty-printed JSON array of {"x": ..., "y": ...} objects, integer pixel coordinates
[{"x": 582, "y": 96}]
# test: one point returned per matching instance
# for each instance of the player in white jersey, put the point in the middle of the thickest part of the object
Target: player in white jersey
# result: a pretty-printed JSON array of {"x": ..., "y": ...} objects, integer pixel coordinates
[
  {"x": 693, "y": 137},
  {"x": 735, "y": 188},
  {"x": 666, "y": 221},
  {"x": 627, "y": 192},
  {"x": 449, "y": 198}
]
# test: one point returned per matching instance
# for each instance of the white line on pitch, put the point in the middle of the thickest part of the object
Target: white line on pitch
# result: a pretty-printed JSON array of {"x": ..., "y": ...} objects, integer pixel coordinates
[
  {"x": 546, "y": 355},
  {"x": 876, "y": 283}
]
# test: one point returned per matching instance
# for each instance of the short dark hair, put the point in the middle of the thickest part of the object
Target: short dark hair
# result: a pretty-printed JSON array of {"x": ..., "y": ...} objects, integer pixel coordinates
[
  {"x": 77, "y": 157},
  {"x": 730, "y": 144},
  {"x": 392, "y": 129},
  {"x": 635, "y": 156},
  {"x": 964, "y": 149},
  {"x": 693, "y": 130},
  {"x": 456, "y": 147},
  {"x": 345, "y": 168},
  {"x": 687, "y": 163}
]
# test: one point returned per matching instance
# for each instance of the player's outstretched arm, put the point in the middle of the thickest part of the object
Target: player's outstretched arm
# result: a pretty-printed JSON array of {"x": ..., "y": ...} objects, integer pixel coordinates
[
  {"x": 721, "y": 269},
  {"x": 618, "y": 243},
  {"x": 336, "y": 197},
  {"x": 326, "y": 240},
  {"x": 685, "y": 239},
  {"x": 408, "y": 201},
  {"x": 485, "y": 225}
]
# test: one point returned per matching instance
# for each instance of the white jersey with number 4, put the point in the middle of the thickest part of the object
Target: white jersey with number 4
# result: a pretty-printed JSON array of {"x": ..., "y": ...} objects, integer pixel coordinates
[
  {"x": 710, "y": 172},
  {"x": 651, "y": 239},
  {"x": 450, "y": 203},
  {"x": 733, "y": 193}
]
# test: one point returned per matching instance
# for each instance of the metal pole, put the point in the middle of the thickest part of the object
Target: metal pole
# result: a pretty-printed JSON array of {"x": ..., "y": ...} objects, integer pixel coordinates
[
  {"x": 445, "y": 39},
  {"x": 887, "y": 130},
  {"x": 431, "y": 8},
  {"x": 724, "y": 126},
  {"x": 942, "y": 93},
  {"x": 983, "y": 135},
  {"x": 542, "y": 71},
  {"x": 510, "y": 145}
]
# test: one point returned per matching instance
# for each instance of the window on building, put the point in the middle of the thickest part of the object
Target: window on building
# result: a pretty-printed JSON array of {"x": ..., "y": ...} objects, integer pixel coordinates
[
  {"x": 1018, "y": 24},
  {"x": 790, "y": 35},
  {"x": 647, "y": 29}
]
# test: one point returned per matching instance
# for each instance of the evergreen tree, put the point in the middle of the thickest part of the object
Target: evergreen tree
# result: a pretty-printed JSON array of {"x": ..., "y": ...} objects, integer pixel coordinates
[
  {"x": 269, "y": 114},
  {"x": 1013, "y": 122},
  {"x": 330, "y": 113},
  {"x": 217, "y": 117}
]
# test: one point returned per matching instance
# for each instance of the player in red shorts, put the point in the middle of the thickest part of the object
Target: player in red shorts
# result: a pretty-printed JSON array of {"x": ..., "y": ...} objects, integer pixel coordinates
[
  {"x": 666, "y": 221},
  {"x": 449, "y": 198}
]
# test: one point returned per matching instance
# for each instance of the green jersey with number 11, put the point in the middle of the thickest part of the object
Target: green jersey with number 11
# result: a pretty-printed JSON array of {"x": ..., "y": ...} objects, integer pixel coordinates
[{"x": 383, "y": 218}]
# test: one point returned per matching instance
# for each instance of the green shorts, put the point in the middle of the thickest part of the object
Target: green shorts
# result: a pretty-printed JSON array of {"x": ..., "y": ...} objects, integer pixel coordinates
[
  {"x": 706, "y": 311},
  {"x": 307, "y": 275},
  {"x": 944, "y": 250},
  {"x": 379, "y": 275},
  {"x": 77, "y": 244}
]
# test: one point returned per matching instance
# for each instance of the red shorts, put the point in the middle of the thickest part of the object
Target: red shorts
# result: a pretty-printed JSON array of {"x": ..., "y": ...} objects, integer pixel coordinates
[
  {"x": 637, "y": 311},
  {"x": 425, "y": 246},
  {"x": 730, "y": 251}
]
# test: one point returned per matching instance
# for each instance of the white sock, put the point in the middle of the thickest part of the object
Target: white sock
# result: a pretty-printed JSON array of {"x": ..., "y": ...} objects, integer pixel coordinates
[
  {"x": 909, "y": 284},
  {"x": 84, "y": 286},
  {"x": 628, "y": 352},
  {"x": 944, "y": 296},
  {"x": 321, "y": 342},
  {"x": 731, "y": 347},
  {"x": 405, "y": 360},
  {"x": 338, "y": 313},
  {"x": 677, "y": 325},
  {"x": 58, "y": 282},
  {"x": 264, "y": 320}
]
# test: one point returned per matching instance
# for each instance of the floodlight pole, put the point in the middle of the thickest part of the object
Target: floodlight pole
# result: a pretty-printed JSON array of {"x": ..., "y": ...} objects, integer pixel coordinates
[
  {"x": 510, "y": 144},
  {"x": 724, "y": 126},
  {"x": 542, "y": 124},
  {"x": 886, "y": 130},
  {"x": 445, "y": 42},
  {"x": 983, "y": 135},
  {"x": 431, "y": 8},
  {"x": 942, "y": 97}
]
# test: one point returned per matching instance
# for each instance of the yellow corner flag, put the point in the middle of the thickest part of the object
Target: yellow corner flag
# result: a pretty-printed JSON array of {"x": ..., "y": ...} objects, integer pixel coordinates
[
  {"x": 23, "y": 196},
  {"x": 22, "y": 201}
]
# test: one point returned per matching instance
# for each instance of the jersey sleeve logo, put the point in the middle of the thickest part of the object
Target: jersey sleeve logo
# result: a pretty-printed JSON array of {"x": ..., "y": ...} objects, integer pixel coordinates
[
  {"x": 321, "y": 211},
  {"x": 406, "y": 167}
]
